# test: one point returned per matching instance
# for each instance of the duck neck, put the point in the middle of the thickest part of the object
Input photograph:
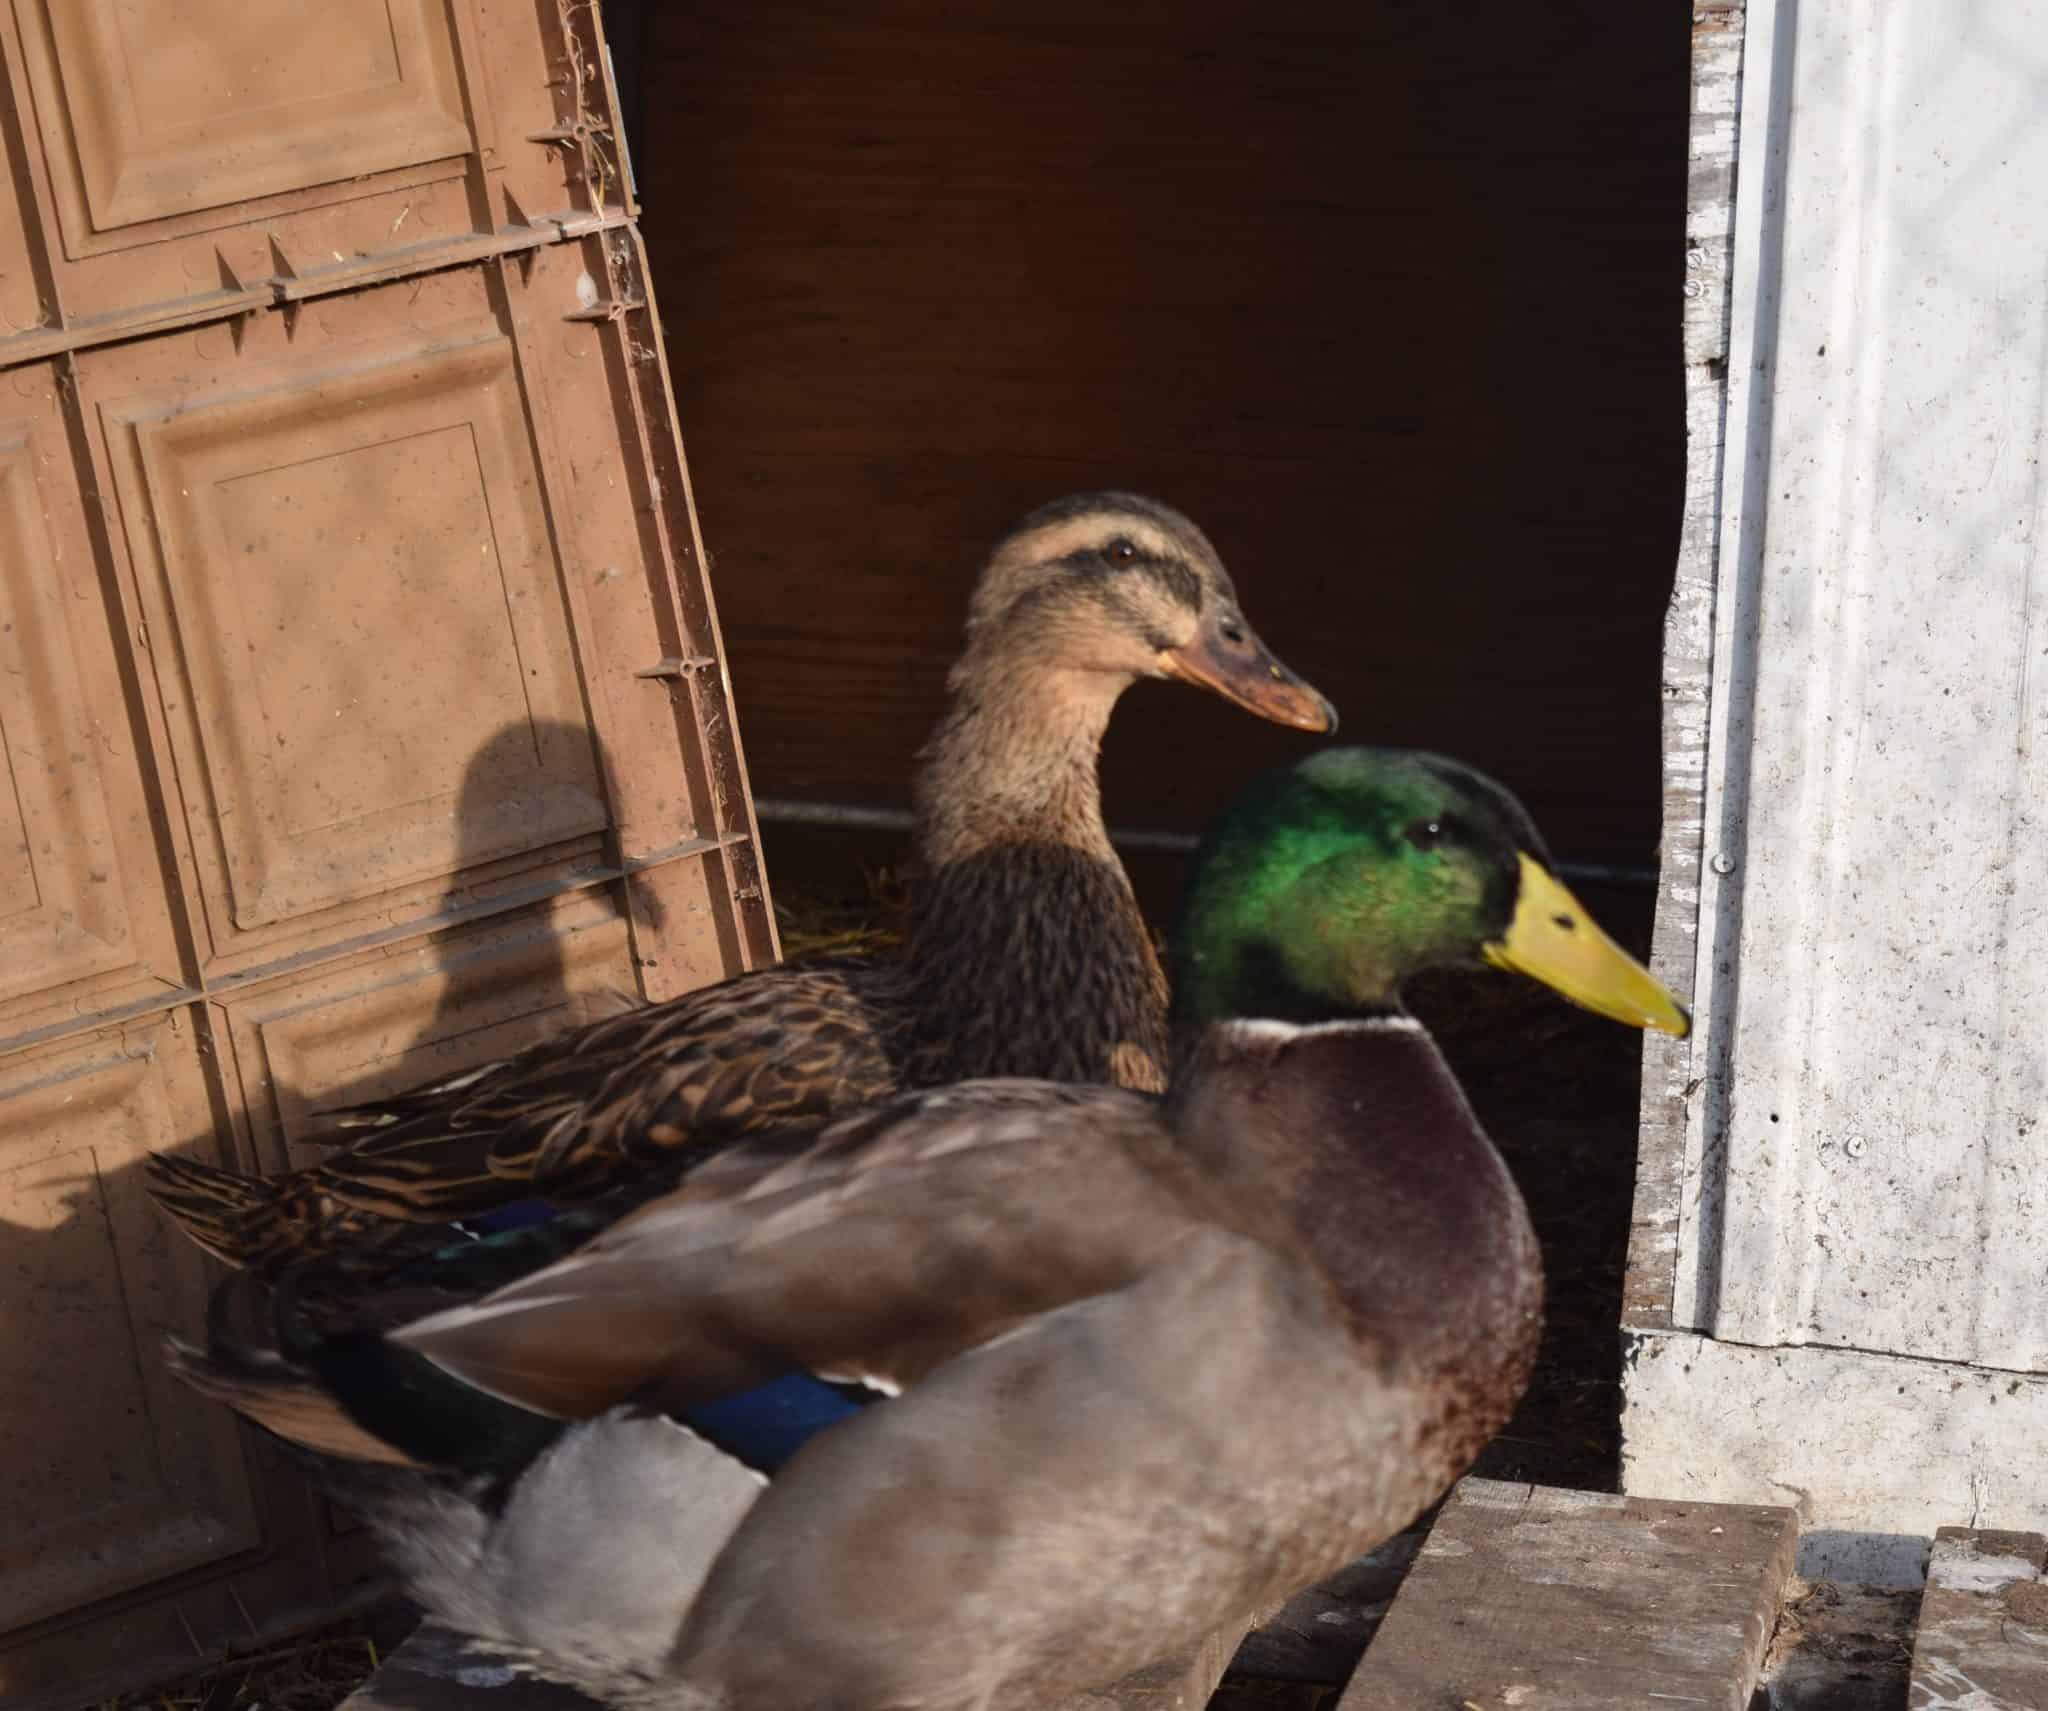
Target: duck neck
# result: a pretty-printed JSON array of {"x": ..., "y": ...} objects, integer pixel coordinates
[
  {"x": 1015, "y": 760},
  {"x": 1027, "y": 953},
  {"x": 1356, "y": 1134}
]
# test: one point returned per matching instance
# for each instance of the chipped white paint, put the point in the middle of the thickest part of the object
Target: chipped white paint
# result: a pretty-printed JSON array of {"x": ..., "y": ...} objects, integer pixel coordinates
[
  {"x": 1688, "y": 640},
  {"x": 1968, "y": 1571},
  {"x": 1982, "y": 1639},
  {"x": 1947, "y": 1687},
  {"x": 1863, "y": 1169}
]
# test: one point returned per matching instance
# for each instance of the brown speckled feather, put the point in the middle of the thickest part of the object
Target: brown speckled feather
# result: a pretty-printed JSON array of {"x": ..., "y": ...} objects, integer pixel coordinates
[
  {"x": 1028, "y": 961},
  {"x": 1004, "y": 909}
]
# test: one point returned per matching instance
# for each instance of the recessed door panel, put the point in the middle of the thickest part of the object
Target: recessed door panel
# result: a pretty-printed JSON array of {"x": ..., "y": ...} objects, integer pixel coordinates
[
  {"x": 111, "y": 1473},
  {"x": 174, "y": 108},
  {"x": 358, "y": 568}
]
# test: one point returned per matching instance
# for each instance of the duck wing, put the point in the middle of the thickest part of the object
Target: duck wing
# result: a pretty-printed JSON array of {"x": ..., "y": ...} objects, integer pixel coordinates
[
  {"x": 901, "y": 1237},
  {"x": 653, "y": 1089},
  {"x": 780, "y": 1047},
  {"x": 1105, "y": 1484}
]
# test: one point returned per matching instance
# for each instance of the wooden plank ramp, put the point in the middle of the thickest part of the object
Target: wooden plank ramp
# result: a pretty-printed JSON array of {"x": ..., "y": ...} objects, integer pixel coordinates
[
  {"x": 436, "y": 1670},
  {"x": 1983, "y": 1639},
  {"x": 1319, "y": 1634},
  {"x": 1527, "y": 1598}
]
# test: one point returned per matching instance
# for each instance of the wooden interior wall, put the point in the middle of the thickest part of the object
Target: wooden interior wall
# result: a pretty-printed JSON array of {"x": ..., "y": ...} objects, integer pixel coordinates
[{"x": 1385, "y": 295}]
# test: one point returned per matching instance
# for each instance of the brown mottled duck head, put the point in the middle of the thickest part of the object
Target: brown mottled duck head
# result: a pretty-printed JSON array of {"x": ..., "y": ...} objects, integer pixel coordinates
[{"x": 1124, "y": 587}]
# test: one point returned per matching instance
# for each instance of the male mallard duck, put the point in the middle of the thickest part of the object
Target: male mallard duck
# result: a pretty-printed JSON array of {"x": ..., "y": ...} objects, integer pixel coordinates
[
  {"x": 1147, "y": 1364},
  {"x": 1027, "y": 954}
]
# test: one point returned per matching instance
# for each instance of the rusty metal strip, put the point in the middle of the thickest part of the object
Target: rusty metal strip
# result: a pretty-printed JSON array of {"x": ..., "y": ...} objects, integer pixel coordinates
[
  {"x": 290, "y": 286},
  {"x": 499, "y": 903},
  {"x": 419, "y": 927},
  {"x": 707, "y": 694},
  {"x": 46, "y": 342}
]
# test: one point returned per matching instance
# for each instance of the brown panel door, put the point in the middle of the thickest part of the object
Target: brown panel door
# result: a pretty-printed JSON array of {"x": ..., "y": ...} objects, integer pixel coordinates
[{"x": 362, "y": 708}]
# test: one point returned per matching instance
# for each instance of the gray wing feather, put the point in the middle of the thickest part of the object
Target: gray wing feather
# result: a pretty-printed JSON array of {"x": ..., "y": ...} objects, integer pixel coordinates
[
  {"x": 1094, "y": 1488},
  {"x": 898, "y": 1240}
]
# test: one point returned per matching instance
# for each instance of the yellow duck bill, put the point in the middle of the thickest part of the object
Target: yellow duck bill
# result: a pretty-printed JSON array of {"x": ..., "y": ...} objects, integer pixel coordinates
[{"x": 1553, "y": 939}]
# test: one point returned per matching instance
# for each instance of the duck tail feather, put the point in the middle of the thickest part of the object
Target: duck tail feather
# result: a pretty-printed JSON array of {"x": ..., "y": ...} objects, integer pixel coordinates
[
  {"x": 285, "y": 1400},
  {"x": 588, "y": 1570},
  {"x": 236, "y": 1218}
]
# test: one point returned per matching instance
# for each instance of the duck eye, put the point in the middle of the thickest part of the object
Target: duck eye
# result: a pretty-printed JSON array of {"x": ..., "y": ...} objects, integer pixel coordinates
[
  {"x": 1425, "y": 834},
  {"x": 1121, "y": 551},
  {"x": 1231, "y": 630}
]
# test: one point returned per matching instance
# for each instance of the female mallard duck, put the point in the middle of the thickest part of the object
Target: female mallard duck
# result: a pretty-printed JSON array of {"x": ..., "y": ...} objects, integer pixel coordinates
[
  {"x": 1134, "y": 1366},
  {"x": 1026, "y": 956}
]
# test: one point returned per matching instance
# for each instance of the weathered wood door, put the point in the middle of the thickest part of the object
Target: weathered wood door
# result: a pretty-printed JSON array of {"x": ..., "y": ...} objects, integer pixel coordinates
[{"x": 362, "y": 711}]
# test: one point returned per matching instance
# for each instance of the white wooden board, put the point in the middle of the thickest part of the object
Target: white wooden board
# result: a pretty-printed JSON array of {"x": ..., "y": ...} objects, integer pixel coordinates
[
  {"x": 1864, "y": 1164},
  {"x": 1876, "y": 1451},
  {"x": 1877, "y": 793}
]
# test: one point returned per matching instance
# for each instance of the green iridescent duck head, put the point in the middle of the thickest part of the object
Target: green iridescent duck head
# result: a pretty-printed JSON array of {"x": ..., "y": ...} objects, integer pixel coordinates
[{"x": 1330, "y": 882}]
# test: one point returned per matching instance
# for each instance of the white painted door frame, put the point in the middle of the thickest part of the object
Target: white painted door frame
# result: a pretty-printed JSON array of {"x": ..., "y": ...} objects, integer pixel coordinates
[{"x": 1839, "y": 1274}]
